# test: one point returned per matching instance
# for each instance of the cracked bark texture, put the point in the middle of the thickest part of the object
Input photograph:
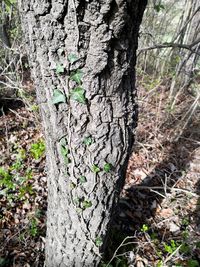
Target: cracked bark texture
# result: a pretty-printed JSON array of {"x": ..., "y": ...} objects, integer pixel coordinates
[{"x": 103, "y": 34}]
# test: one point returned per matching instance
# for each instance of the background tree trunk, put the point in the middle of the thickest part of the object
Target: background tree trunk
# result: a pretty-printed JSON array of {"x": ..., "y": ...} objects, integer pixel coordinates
[
  {"x": 189, "y": 33},
  {"x": 103, "y": 35}
]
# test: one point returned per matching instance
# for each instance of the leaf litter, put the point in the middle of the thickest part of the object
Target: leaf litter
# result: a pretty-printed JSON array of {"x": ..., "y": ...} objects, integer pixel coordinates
[{"x": 22, "y": 209}]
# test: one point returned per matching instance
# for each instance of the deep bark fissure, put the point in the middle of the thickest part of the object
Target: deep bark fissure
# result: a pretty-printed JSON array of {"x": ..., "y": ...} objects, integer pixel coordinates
[{"x": 104, "y": 37}]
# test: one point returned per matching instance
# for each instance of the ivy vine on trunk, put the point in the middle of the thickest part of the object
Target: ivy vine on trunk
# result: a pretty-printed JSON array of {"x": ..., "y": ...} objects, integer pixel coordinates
[{"x": 82, "y": 55}]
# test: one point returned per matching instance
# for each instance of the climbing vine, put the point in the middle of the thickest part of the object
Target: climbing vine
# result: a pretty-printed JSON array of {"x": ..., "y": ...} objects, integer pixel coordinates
[{"x": 77, "y": 93}]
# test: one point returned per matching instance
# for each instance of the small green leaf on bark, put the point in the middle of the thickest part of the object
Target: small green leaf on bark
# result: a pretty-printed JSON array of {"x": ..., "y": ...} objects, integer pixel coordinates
[
  {"x": 65, "y": 154},
  {"x": 64, "y": 151},
  {"x": 72, "y": 185},
  {"x": 63, "y": 141},
  {"x": 95, "y": 169},
  {"x": 107, "y": 167},
  {"x": 77, "y": 76},
  {"x": 78, "y": 94},
  {"x": 60, "y": 69},
  {"x": 88, "y": 141},
  {"x": 58, "y": 97},
  {"x": 98, "y": 241},
  {"x": 82, "y": 179},
  {"x": 159, "y": 7},
  {"x": 77, "y": 201},
  {"x": 86, "y": 204},
  {"x": 72, "y": 58}
]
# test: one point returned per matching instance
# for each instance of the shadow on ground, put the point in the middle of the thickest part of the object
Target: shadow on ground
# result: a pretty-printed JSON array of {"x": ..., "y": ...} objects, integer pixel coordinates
[{"x": 164, "y": 207}]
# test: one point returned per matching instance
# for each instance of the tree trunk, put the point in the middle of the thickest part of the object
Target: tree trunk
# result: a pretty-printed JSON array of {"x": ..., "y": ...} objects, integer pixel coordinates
[
  {"x": 188, "y": 34},
  {"x": 89, "y": 130}
]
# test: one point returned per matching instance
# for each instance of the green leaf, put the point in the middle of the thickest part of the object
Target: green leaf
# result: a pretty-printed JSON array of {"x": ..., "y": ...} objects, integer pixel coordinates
[
  {"x": 63, "y": 141},
  {"x": 58, "y": 97},
  {"x": 9, "y": 4},
  {"x": 37, "y": 149},
  {"x": 107, "y": 167},
  {"x": 98, "y": 241},
  {"x": 95, "y": 169},
  {"x": 72, "y": 58},
  {"x": 59, "y": 69},
  {"x": 185, "y": 248},
  {"x": 86, "y": 204},
  {"x": 77, "y": 76},
  {"x": 72, "y": 185},
  {"x": 159, "y": 7},
  {"x": 34, "y": 108},
  {"x": 193, "y": 263},
  {"x": 65, "y": 154},
  {"x": 173, "y": 244},
  {"x": 4, "y": 174},
  {"x": 197, "y": 244},
  {"x": 33, "y": 228},
  {"x": 78, "y": 94},
  {"x": 64, "y": 151},
  {"x": 77, "y": 201},
  {"x": 82, "y": 179},
  {"x": 159, "y": 264},
  {"x": 88, "y": 141},
  {"x": 170, "y": 248},
  {"x": 144, "y": 228}
]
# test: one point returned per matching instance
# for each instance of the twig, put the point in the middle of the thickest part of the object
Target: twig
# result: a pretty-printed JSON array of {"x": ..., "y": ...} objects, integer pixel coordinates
[
  {"x": 10, "y": 238},
  {"x": 172, "y": 45},
  {"x": 121, "y": 245},
  {"x": 190, "y": 139},
  {"x": 171, "y": 255},
  {"x": 6, "y": 130},
  {"x": 153, "y": 188},
  {"x": 24, "y": 118},
  {"x": 156, "y": 192},
  {"x": 189, "y": 113}
]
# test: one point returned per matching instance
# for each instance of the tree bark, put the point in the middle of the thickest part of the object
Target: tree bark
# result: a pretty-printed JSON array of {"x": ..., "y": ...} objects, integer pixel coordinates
[{"x": 82, "y": 190}]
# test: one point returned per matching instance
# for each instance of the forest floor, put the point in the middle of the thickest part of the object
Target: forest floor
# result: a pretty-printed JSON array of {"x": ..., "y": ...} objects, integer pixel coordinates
[{"x": 158, "y": 220}]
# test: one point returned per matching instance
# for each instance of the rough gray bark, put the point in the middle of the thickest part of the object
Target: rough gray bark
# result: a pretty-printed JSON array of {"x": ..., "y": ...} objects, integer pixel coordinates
[{"x": 103, "y": 34}]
